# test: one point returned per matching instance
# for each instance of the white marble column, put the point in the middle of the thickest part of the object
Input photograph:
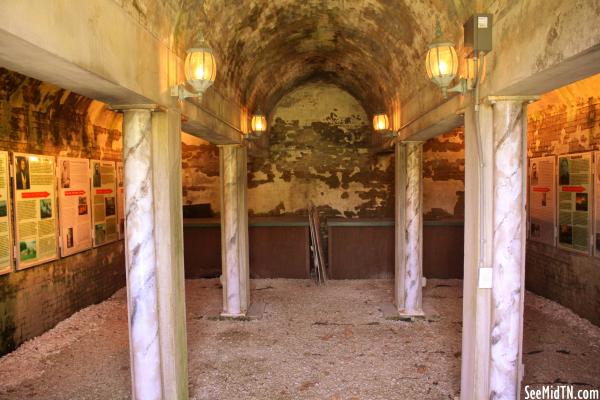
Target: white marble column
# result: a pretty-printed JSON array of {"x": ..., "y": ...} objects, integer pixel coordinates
[
  {"x": 508, "y": 262},
  {"x": 409, "y": 229},
  {"x": 234, "y": 230},
  {"x": 154, "y": 252},
  {"x": 494, "y": 238},
  {"x": 142, "y": 301},
  {"x": 477, "y": 300},
  {"x": 168, "y": 233}
]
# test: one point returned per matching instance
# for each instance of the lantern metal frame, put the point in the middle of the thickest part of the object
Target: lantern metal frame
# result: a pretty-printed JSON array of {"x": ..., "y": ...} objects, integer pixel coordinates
[
  {"x": 385, "y": 132},
  {"x": 254, "y": 135},
  {"x": 463, "y": 85},
  {"x": 199, "y": 85}
]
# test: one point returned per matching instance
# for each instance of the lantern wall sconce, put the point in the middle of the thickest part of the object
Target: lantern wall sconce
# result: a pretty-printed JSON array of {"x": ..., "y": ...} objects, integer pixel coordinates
[
  {"x": 381, "y": 124},
  {"x": 441, "y": 61},
  {"x": 258, "y": 126},
  {"x": 200, "y": 72}
]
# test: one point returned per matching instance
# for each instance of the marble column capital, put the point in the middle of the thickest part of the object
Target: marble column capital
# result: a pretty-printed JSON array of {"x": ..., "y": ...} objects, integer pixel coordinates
[
  {"x": 491, "y": 100},
  {"x": 231, "y": 145},
  {"x": 413, "y": 142},
  {"x": 136, "y": 107}
]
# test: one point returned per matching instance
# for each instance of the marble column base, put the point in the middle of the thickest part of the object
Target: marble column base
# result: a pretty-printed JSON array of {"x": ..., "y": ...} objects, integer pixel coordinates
[{"x": 411, "y": 314}]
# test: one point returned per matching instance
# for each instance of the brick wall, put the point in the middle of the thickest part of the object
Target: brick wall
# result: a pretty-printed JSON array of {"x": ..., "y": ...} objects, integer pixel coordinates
[
  {"x": 564, "y": 121},
  {"x": 36, "y": 299},
  {"x": 37, "y": 117}
]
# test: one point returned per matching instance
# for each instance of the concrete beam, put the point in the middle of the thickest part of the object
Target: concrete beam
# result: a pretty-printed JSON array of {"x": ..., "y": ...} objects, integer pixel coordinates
[
  {"x": 439, "y": 120},
  {"x": 559, "y": 44},
  {"x": 96, "y": 49}
]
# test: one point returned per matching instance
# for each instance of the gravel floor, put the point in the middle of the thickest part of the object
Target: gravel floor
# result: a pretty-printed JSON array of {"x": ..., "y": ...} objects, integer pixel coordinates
[{"x": 313, "y": 343}]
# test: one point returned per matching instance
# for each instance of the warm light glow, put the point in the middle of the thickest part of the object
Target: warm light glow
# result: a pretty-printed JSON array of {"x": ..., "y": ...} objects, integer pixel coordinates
[
  {"x": 259, "y": 123},
  {"x": 381, "y": 122},
  {"x": 441, "y": 63},
  {"x": 200, "y": 68}
]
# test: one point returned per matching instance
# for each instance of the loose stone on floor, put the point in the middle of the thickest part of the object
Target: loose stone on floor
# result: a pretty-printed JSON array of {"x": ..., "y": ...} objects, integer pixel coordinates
[{"x": 312, "y": 343}]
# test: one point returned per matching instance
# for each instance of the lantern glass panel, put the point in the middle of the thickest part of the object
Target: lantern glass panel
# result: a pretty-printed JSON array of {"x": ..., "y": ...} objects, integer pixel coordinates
[
  {"x": 380, "y": 122},
  {"x": 200, "y": 68},
  {"x": 442, "y": 64}
]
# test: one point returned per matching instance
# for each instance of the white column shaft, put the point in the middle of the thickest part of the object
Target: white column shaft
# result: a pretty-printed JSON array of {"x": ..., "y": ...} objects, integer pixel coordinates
[
  {"x": 414, "y": 229},
  {"x": 141, "y": 256},
  {"x": 166, "y": 165},
  {"x": 494, "y": 238},
  {"x": 234, "y": 230},
  {"x": 409, "y": 228},
  {"x": 400, "y": 233},
  {"x": 477, "y": 301},
  {"x": 508, "y": 249}
]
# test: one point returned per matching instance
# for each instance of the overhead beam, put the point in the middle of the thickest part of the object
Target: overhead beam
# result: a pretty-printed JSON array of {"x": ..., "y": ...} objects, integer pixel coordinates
[
  {"x": 442, "y": 119},
  {"x": 561, "y": 45},
  {"x": 94, "y": 48}
]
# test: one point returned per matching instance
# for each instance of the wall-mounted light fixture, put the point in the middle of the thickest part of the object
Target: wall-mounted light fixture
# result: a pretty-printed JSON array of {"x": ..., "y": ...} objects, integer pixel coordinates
[
  {"x": 441, "y": 61},
  {"x": 200, "y": 72},
  {"x": 258, "y": 125},
  {"x": 381, "y": 122}
]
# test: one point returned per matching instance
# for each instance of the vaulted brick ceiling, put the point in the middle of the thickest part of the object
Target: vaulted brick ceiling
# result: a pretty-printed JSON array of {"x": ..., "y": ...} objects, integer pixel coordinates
[{"x": 372, "y": 48}]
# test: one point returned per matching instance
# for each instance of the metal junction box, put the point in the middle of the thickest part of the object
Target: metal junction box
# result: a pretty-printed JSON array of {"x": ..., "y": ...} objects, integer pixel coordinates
[{"x": 478, "y": 33}]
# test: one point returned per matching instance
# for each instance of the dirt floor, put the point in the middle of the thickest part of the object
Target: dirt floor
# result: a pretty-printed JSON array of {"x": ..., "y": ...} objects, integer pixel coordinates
[{"x": 312, "y": 343}]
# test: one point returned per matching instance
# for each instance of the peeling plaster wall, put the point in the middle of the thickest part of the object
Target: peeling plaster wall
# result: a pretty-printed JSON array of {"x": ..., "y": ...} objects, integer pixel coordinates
[
  {"x": 41, "y": 118},
  {"x": 302, "y": 164},
  {"x": 444, "y": 176},
  {"x": 200, "y": 172},
  {"x": 319, "y": 152},
  {"x": 566, "y": 120}
]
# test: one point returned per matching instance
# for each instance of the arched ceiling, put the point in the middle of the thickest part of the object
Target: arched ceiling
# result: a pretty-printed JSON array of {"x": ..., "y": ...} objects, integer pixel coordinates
[{"x": 374, "y": 49}]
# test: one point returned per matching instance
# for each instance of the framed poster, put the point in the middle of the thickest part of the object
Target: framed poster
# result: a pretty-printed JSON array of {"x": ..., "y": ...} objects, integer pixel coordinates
[
  {"x": 35, "y": 209},
  {"x": 104, "y": 202},
  {"x": 120, "y": 200},
  {"x": 596, "y": 203},
  {"x": 74, "y": 204},
  {"x": 542, "y": 199},
  {"x": 5, "y": 219},
  {"x": 574, "y": 201}
]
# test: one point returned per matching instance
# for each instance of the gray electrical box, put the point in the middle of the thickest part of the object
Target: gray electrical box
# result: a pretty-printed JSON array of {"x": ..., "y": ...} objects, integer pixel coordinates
[{"x": 478, "y": 33}]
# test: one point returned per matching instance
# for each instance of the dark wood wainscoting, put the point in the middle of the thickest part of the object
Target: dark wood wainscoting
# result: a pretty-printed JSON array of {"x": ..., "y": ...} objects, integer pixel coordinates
[{"x": 357, "y": 248}]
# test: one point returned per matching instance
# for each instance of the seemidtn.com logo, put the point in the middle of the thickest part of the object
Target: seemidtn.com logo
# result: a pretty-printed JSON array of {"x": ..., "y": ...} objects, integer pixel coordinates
[{"x": 560, "y": 392}]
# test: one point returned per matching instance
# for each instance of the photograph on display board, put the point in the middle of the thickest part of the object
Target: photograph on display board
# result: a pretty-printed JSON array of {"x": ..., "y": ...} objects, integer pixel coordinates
[
  {"x": 35, "y": 209},
  {"x": 574, "y": 191},
  {"x": 22, "y": 173},
  {"x": 542, "y": 195},
  {"x": 104, "y": 190},
  {"x": 75, "y": 221},
  {"x": 6, "y": 259}
]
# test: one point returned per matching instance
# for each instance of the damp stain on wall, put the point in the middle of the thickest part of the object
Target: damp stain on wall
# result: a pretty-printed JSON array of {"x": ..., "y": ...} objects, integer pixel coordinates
[
  {"x": 444, "y": 176},
  {"x": 38, "y": 117},
  {"x": 320, "y": 153}
]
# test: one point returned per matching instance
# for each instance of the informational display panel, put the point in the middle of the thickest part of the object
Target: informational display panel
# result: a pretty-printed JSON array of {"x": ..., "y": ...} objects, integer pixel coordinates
[
  {"x": 597, "y": 203},
  {"x": 104, "y": 202},
  {"x": 35, "y": 209},
  {"x": 5, "y": 221},
  {"x": 542, "y": 199},
  {"x": 574, "y": 201},
  {"x": 120, "y": 200},
  {"x": 74, "y": 204}
]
